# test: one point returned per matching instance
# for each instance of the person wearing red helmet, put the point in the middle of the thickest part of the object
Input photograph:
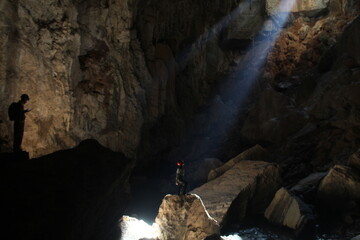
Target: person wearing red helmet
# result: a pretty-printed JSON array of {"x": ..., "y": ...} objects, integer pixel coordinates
[{"x": 180, "y": 181}]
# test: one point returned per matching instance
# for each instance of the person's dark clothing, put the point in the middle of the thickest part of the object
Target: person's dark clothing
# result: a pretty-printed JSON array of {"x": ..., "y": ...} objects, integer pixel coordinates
[
  {"x": 180, "y": 172},
  {"x": 18, "y": 135},
  {"x": 19, "y": 124}
]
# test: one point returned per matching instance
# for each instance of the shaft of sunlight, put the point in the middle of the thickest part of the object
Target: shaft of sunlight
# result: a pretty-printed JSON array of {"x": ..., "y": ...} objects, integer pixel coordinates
[{"x": 226, "y": 107}]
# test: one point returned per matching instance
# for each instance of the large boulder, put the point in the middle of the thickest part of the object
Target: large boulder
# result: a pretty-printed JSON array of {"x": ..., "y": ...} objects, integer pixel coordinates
[
  {"x": 288, "y": 210},
  {"x": 185, "y": 218},
  {"x": 245, "y": 189},
  {"x": 340, "y": 187},
  {"x": 83, "y": 191},
  {"x": 255, "y": 153}
]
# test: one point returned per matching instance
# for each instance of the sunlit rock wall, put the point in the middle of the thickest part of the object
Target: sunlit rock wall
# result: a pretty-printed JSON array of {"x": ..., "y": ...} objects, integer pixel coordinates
[
  {"x": 127, "y": 73},
  {"x": 40, "y": 49},
  {"x": 132, "y": 73},
  {"x": 309, "y": 107}
]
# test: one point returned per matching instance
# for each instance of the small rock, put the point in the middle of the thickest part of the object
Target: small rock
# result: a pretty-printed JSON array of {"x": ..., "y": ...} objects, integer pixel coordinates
[
  {"x": 303, "y": 31},
  {"x": 292, "y": 36}
]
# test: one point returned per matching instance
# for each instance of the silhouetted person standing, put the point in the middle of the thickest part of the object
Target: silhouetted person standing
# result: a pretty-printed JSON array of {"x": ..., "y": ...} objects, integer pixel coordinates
[
  {"x": 180, "y": 181},
  {"x": 17, "y": 114}
]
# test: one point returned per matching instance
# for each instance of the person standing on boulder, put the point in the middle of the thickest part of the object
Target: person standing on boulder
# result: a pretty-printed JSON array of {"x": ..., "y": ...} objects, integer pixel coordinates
[
  {"x": 17, "y": 114},
  {"x": 180, "y": 173}
]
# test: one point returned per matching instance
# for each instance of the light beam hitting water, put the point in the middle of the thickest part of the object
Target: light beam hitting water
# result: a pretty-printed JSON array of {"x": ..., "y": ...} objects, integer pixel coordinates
[{"x": 134, "y": 229}]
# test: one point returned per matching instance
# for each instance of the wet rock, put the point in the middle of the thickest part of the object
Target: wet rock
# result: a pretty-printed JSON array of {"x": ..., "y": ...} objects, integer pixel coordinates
[
  {"x": 244, "y": 190},
  {"x": 130, "y": 227},
  {"x": 288, "y": 210},
  {"x": 356, "y": 238},
  {"x": 340, "y": 186},
  {"x": 326, "y": 102},
  {"x": 354, "y": 160},
  {"x": 185, "y": 218},
  {"x": 255, "y": 153}
]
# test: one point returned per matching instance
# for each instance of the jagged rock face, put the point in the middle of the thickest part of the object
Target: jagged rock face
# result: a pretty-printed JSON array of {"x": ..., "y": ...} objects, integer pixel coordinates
[
  {"x": 110, "y": 70},
  {"x": 313, "y": 117},
  {"x": 130, "y": 74},
  {"x": 244, "y": 190},
  {"x": 302, "y": 44},
  {"x": 185, "y": 218},
  {"x": 72, "y": 58}
]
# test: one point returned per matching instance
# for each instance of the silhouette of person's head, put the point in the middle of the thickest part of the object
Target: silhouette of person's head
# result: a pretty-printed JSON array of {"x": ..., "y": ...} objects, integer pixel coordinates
[{"x": 24, "y": 98}]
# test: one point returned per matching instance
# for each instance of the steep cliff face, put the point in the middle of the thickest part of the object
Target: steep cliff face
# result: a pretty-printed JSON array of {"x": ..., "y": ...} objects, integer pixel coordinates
[
  {"x": 110, "y": 70},
  {"x": 131, "y": 74},
  {"x": 73, "y": 59},
  {"x": 312, "y": 117}
]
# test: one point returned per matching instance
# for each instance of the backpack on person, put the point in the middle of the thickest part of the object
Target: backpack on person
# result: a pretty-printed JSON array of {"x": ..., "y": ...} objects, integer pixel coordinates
[{"x": 12, "y": 111}]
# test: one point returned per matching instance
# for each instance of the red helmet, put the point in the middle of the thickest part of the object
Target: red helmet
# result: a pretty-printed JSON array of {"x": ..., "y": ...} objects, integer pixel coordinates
[{"x": 180, "y": 163}]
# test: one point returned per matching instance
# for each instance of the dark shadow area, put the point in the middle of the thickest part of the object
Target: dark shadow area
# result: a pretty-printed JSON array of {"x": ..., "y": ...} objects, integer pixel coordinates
[{"x": 78, "y": 193}]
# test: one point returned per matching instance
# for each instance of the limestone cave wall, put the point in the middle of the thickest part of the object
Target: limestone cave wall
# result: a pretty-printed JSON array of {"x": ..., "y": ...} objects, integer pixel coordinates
[
  {"x": 132, "y": 73},
  {"x": 116, "y": 71}
]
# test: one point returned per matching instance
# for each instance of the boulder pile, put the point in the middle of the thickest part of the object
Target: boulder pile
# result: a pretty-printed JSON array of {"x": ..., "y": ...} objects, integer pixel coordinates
[{"x": 245, "y": 189}]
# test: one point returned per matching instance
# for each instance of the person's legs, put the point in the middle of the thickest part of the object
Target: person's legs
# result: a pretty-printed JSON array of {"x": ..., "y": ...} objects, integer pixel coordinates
[
  {"x": 182, "y": 187},
  {"x": 18, "y": 135}
]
